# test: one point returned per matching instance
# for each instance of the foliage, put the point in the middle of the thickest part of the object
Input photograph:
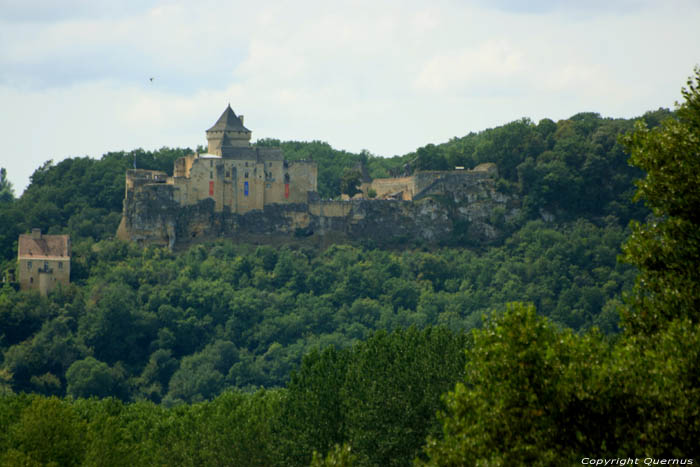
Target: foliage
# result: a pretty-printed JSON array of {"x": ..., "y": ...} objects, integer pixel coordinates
[
  {"x": 548, "y": 165},
  {"x": 78, "y": 196},
  {"x": 350, "y": 181},
  {"x": 7, "y": 193},
  {"x": 48, "y": 432},
  {"x": 313, "y": 411},
  {"x": 667, "y": 249},
  {"x": 340, "y": 456},
  {"x": 234, "y": 429},
  {"x": 328, "y": 408},
  {"x": 90, "y": 377},
  {"x": 537, "y": 395},
  {"x": 183, "y": 327},
  {"x": 340, "y": 397},
  {"x": 526, "y": 398},
  {"x": 365, "y": 340},
  {"x": 414, "y": 368}
]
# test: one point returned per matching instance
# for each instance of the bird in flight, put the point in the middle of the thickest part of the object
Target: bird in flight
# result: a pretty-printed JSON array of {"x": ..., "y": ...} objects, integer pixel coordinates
[{"x": 151, "y": 79}]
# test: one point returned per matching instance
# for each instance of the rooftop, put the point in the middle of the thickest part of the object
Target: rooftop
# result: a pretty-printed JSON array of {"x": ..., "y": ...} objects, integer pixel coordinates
[
  {"x": 228, "y": 122},
  {"x": 36, "y": 245}
]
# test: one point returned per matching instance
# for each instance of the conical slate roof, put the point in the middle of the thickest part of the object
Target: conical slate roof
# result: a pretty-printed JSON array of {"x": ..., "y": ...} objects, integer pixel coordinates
[{"x": 228, "y": 122}]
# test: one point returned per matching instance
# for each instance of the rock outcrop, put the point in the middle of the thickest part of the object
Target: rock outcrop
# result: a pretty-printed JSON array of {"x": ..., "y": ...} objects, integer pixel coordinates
[{"x": 451, "y": 208}]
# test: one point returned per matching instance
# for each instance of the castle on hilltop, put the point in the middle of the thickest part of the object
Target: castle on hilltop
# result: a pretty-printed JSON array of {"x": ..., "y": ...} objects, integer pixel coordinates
[
  {"x": 240, "y": 191},
  {"x": 238, "y": 177}
]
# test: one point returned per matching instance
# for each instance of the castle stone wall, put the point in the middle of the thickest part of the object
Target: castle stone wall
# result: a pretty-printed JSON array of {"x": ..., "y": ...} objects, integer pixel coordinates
[{"x": 386, "y": 186}]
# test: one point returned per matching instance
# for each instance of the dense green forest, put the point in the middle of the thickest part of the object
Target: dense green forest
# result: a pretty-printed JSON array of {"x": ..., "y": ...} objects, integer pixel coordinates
[{"x": 231, "y": 354}]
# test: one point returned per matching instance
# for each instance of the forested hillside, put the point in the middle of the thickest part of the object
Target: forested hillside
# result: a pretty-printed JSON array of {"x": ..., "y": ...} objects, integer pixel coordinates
[
  {"x": 231, "y": 354},
  {"x": 151, "y": 318},
  {"x": 573, "y": 168}
]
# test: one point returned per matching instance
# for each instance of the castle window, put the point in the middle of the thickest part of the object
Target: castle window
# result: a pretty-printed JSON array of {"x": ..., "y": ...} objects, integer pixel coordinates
[
  {"x": 31, "y": 280},
  {"x": 60, "y": 265},
  {"x": 29, "y": 264},
  {"x": 246, "y": 164},
  {"x": 246, "y": 175},
  {"x": 286, "y": 178},
  {"x": 211, "y": 163}
]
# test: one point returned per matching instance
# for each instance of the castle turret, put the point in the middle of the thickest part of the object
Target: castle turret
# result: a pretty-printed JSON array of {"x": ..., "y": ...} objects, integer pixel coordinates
[{"x": 227, "y": 133}]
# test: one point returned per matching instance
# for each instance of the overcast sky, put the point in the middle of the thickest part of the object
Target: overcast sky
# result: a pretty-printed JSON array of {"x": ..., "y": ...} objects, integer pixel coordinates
[{"x": 383, "y": 76}]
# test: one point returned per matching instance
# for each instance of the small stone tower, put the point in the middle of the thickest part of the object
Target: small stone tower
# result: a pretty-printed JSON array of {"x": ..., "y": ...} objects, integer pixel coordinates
[{"x": 227, "y": 133}]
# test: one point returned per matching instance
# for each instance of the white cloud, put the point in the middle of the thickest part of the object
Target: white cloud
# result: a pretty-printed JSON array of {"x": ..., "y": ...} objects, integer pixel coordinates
[{"x": 493, "y": 60}]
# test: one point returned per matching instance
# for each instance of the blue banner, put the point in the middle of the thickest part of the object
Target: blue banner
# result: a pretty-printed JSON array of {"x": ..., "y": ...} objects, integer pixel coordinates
[{"x": 245, "y": 188}]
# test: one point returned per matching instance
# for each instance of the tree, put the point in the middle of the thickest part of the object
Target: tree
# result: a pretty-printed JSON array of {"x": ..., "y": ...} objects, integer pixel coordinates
[
  {"x": 339, "y": 456},
  {"x": 430, "y": 157},
  {"x": 667, "y": 248},
  {"x": 527, "y": 398},
  {"x": 312, "y": 412},
  {"x": 538, "y": 395},
  {"x": 49, "y": 432},
  {"x": 392, "y": 391},
  {"x": 201, "y": 376},
  {"x": 90, "y": 377},
  {"x": 7, "y": 193},
  {"x": 349, "y": 181},
  {"x": 116, "y": 328}
]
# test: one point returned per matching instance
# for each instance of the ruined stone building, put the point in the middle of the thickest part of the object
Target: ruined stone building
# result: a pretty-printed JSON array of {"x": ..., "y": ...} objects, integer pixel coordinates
[
  {"x": 43, "y": 261},
  {"x": 240, "y": 191},
  {"x": 413, "y": 187}
]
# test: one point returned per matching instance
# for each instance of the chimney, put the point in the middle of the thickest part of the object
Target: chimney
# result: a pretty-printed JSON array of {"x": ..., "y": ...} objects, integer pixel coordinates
[
  {"x": 36, "y": 234},
  {"x": 240, "y": 117}
]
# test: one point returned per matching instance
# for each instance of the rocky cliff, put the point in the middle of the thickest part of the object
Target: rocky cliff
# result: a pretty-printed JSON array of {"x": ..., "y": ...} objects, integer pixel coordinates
[{"x": 453, "y": 209}]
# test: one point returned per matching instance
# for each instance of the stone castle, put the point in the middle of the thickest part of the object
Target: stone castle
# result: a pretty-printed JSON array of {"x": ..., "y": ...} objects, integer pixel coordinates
[{"x": 249, "y": 193}]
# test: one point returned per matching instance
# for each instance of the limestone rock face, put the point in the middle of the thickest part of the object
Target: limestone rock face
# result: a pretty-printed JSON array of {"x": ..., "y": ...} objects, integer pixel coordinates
[{"x": 451, "y": 210}]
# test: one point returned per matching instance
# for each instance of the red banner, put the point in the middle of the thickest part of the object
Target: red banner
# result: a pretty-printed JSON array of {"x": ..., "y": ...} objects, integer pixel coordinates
[
  {"x": 286, "y": 190},
  {"x": 211, "y": 188}
]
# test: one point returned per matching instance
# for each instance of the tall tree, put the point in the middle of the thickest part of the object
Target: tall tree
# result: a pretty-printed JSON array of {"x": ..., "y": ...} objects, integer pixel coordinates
[
  {"x": 527, "y": 398},
  {"x": 7, "y": 193},
  {"x": 667, "y": 248}
]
